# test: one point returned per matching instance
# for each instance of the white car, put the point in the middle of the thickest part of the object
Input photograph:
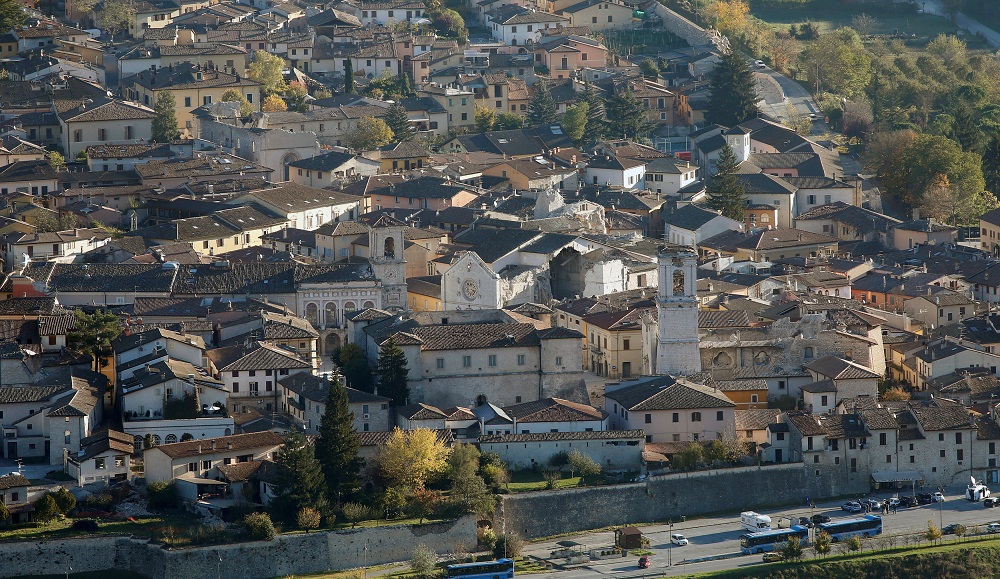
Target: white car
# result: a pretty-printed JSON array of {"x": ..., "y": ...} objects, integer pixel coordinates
[
  {"x": 937, "y": 497},
  {"x": 678, "y": 539},
  {"x": 759, "y": 64},
  {"x": 813, "y": 116},
  {"x": 993, "y": 528}
]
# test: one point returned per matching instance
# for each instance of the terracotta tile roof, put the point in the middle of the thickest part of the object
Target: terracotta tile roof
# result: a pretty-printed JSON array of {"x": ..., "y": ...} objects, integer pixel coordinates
[
  {"x": 253, "y": 441},
  {"x": 755, "y": 419},
  {"x": 259, "y": 356},
  {"x": 28, "y": 394},
  {"x": 13, "y": 481},
  {"x": 554, "y": 410},
  {"x": 421, "y": 411},
  {"x": 666, "y": 393},
  {"x": 380, "y": 437},
  {"x": 559, "y": 436},
  {"x": 840, "y": 369}
]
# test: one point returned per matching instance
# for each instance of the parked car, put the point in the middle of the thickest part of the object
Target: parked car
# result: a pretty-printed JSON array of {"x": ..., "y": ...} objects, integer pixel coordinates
[
  {"x": 805, "y": 522},
  {"x": 893, "y": 502},
  {"x": 950, "y": 529},
  {"x": 908, "y": 501},
  {"x": 813, "y": 117},
  {"x": 993, "y": 528},
  {"x": 644, "y": 562},
  {"x": 678, "y": 539},
  {"x": 773, "y": 557},
  {"x": 938, "y": 497},
  {"x": 817, "y": 519},
  {"x": 991, "y": 502},
  {"x": 874, "y": 504},
  {"x": 925, "y": 498},
  {"x": 851, "y": 507}
]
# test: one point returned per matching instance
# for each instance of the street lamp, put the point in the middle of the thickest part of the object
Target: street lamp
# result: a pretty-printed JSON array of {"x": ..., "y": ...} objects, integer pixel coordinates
[
  {"x": 670, "y": 547},
  {"x": 218, "y": 568},
  {"x": 68, "y": 571}
]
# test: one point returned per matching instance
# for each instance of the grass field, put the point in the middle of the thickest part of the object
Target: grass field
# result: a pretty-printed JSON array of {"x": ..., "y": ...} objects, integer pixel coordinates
[{"x": 827, "y": 15}]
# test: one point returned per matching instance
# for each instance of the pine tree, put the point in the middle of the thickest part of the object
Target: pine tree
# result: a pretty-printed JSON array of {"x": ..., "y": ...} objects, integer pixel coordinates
[
  {"x": 337, "y": 446},
  {"x": 991, "y": 165},
  {"x": 725, "y": 192},
  {"x": 397, "y": 120},
  {"x": 348, "y": 76},
  {"x": 165, "y": 121},
  {"x": 596, "y": 121},
  {"x": 392, "y": 373},
  {"x": 542, "y": 110},
  {"x": 299, "y": 477},
  {"x": 733, "y": 92},
  {"x": 626, "y": 116},
  {"x": 404, "y": 84}
]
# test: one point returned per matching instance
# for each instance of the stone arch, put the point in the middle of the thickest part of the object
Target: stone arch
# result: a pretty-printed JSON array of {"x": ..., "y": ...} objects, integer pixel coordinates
[
  {"x": 331, "y": 314},
  {"x": 350, "y": 307},
  {"x": 332, "y": 343},
  {"x": 290, "y": 157},
  {"x": 369, "y": 304},
  {"x": 187, "y": 436},
  {"x": 389, "y": 247},
  {"x": 170, "y": 439},
  {"x": 722, "y": 360},
  {"x": 228, "y": 432},
  {"x": 312, "y": 313},
  {"x": 481, "y": 400}
]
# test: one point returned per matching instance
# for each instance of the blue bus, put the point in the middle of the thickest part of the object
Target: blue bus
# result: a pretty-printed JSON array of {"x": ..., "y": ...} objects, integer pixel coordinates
[
  {"x": 499, "y": 569},
  {"x": 771, "y": 540},
  {"x": 866, "y": 526}
]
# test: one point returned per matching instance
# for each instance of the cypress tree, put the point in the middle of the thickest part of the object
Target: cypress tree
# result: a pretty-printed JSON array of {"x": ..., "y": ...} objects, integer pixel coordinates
[
  {"x": 991, "y": 165},
  {"x": 725, "y": 192},
  {"x": 399, "y": 123},
  {"x": 596, "y": 121},
  {"x": 337, "y": 446},
  {"x": 348, "y": 77},
  {"x": 542, "y": 110},
  {"x": 732, "y": 92},
  {"x": 165, "y": 121},
  {"x": 392, "y": 373}
]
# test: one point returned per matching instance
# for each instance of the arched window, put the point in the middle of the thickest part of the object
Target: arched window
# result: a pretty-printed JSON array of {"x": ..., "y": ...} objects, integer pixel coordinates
[
  {"x": 678, "y": 282},
  {"x": 369, "y": 304},
  {"x": 764, "y": 218},
  {"x": 156, "y": 440},
  {"x": 389, "y": 247},
  {"x": 350, "y": 307},
  {"x": 331, "y": 314},
  {"x": 807, "y": 352},
  {"x": 187, "y": 436},
  {"x": 312, "y": 314},
  {"x": 137, "y": 442},
  {"x": 481, "y": 400},
  {"x": 753, "y": 398},
  {"x": 170, "y": 439}
]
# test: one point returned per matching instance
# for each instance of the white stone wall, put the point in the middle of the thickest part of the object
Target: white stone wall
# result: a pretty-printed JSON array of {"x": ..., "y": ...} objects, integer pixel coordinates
[{"x": 623, "y": 453}]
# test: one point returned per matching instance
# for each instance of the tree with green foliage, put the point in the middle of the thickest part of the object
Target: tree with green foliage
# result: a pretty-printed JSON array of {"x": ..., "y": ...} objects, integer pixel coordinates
[
  {"x": 508, "y": 545},
  {"x": 348, "y": 76},
  {"x": 299, "y": 479},
  {"x": 46, "y": 509},
  {"x": 542, "y": 109},
  {"x": 266, "y": 68},
  {"x": 47, "y": 221},
  {"x": 927, "y": 158},
  {"x": 485, "y": 118},
  {"x": 725, "y": 191},
  {"x": 116, "y": 16},
  {"x": 423, "y": 562},
  {"x": 689, "y": 458},
  {"x": 838, "y": 62},
  {"x": 93, "y": 335},
  {"x": 234, "y": 96},
  {"x": 165, "y": 122},
  {"x": 258, "y": 527},
  {"x": 449, "y": 23},
  {"x": 822, "y": 543},
  {"x": 626, "y": 116},
  {"x": 732, "y": 92},
  {"x": 4, "y": 514},
  {"x": 792, "y": 549},
  {"x": 596, "y": 126},
  {"x": 854, "y": 543},
  {"x": 392, "y": 373},
  {"x": 337, "y": 446},
  {"x": 411, "y": 458},
  {"x": 308, "y": 518},
  {"x": 468, "y": 488},
  {"x": 991, "y": 165},
  {"x": 405, "y": 85},
  {"x": 296, "y": 94},
  {"x": 582, "y": 463},
  {"x": 355, "y": 367},
  {"x": 56, "y": 160},
  {"x": 649, "y": 69},
  {"x": 162, "y": 495},
  {"x": 399, "y": 122},
  {"x": 369, "y": 134},
  {"x": 355, "y": 513},
  {"x": 574, "y": 122},
  {"x": 716, "y": 451},
  {"x": 933, "y": 533},
  {"x": 508, "y": 121}
]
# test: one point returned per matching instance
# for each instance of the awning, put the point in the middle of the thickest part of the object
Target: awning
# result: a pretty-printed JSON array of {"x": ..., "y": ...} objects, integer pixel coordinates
[{"x": 890, "y": 476}]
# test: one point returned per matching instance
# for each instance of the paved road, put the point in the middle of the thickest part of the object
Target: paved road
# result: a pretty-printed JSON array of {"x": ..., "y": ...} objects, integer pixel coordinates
[
  {"x": 964, "y": 22},
  {"x": 792, "y": 97},
  {"x": 716, "y": 536}
]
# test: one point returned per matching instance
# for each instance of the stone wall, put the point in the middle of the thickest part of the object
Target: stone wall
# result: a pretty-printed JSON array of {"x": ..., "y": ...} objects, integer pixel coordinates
[
  {"x": 670, "y": 496},
  {"x": 693, "y": 34},
  {"x": 287, "y": 555}
]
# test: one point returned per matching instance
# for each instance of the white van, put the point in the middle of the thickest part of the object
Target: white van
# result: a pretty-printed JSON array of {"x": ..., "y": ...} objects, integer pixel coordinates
[
  {"x": 976, "y": 491},
  {"x": 754, "y": 522}
]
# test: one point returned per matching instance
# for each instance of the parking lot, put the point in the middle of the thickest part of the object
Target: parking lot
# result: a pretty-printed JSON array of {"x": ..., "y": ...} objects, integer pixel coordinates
[{"x": 714, "y": 541}]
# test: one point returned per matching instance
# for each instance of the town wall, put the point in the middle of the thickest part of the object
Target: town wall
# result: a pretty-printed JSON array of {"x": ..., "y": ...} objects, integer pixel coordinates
[
  {"x": 286, "y": 555},
  {"x": 671, "y": 496},
  {"x": 693, "y": 34}
]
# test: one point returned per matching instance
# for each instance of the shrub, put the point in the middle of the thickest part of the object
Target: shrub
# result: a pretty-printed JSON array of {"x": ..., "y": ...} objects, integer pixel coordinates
[
  {"x": 508, "y": 545},
  {"x": 46, "y": 509},
  {"x": 161, "y": 496},
  {"x": 87, "y": 525},
  {"x": 355, "y": 512},
  {"x": 258, "y": 526},
  {"x": 64, "y": 499},
  {"x": 423, "y": 563},
  {"x": 488, "y": 539},
  {"x": 308, "y": 518}
]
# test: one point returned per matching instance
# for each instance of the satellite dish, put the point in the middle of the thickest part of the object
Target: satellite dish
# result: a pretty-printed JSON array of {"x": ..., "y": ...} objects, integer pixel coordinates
[{"x": 973, "y": 480}]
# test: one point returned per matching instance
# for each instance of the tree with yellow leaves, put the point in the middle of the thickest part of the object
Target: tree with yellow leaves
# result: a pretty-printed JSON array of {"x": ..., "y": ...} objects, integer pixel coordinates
[
  {"x": 411, "y": 458},
  {"x": 273, "y": 104},
  {"x": 728, "y": 16}
]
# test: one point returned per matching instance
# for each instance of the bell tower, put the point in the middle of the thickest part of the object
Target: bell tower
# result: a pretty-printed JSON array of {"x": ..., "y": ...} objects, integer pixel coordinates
[
  {"x": 677, "y": 312},
  {"x": 385, "y": 246}
]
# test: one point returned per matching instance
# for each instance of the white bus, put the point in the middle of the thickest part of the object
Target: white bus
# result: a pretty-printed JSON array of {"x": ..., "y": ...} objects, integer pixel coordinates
[{"x": 754, "y": 522}]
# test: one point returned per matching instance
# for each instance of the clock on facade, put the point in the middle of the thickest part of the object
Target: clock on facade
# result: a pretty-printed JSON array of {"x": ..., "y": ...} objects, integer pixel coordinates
[{"x": 470, "y": 289}]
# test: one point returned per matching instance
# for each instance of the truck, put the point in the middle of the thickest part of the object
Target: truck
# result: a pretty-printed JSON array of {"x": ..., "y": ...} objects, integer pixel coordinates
[
  {"x": 976, "y": 490},
  {"x": 755, "y": 522}
]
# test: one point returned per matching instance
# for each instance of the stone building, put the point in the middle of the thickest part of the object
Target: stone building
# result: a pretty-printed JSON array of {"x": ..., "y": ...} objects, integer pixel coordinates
[{"x": 677, "y": 313}]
